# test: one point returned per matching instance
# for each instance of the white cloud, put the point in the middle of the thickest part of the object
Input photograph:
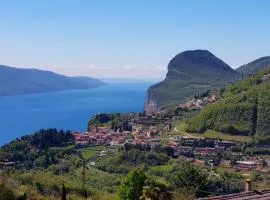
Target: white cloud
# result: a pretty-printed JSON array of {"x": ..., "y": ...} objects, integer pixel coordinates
[
  {"x": 127, "y": 66},
  {"x": 124, "y": 71},
  {"x": 105, "y": 68},
  {"x": 162, "y": 68},
  {"x": 92, "y": 67}
]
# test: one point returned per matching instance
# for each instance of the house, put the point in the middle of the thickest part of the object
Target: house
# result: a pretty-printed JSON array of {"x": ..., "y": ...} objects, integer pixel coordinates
[
  {"x": 102, "y": 129},
  {"x": 92, "y": 163},
  {"x": 183, "y": 150},
  {"x": 118, "y": 141},
  {"x": 82, "y": 143},
  {"x": 267, "y": 161},
  {"x": 219, "y": 148},
  {"x": 251, "y": 195},
  {"x": 173, "y": 145},
  {"x": 205, "y": 151},
  {"x": 188, "y": 141},
  {"x": 247, "y": 164},
  {"x": 176, "y": 138},
  {"x": 247, "y": 195},
  {"x": 7, "y": 165},
  {"x": 225, "y": 144}
]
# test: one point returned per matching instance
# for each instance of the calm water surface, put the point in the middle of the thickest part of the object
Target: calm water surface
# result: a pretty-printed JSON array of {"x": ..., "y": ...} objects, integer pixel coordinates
[{"x": 20, "y": 115}]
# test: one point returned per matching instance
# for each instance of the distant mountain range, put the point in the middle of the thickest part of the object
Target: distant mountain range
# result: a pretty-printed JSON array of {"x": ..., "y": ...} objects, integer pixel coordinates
[
  {"x": 193, "y": 72},
  {"x": 254, "y": 66},
  {"x": 19, "y": 81}
]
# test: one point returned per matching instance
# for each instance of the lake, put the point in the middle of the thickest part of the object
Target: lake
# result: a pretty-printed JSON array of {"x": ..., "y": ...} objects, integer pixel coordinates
[{"x": 70, "y": 110}]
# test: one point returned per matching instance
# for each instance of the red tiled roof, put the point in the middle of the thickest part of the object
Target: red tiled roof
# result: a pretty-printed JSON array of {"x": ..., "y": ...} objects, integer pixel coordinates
[{"x": 252, "y": 195}]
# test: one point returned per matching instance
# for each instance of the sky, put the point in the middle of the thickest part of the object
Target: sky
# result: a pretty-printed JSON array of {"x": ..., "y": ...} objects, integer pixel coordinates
[{"x": 133, "y": 39}]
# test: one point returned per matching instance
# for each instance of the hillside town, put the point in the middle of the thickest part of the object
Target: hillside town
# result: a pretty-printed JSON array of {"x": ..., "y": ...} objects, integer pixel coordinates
[
  {"x": 198, "y": 150},
  {"x": 198, "y": 102}
]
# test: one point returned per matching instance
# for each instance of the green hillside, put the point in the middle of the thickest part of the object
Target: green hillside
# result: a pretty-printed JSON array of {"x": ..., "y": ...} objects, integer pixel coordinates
[{"x": 243, "y": 110}]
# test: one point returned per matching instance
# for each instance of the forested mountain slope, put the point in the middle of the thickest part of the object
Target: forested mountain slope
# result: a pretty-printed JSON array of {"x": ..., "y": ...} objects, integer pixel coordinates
[
  {"x": 254, "y": 66},
  {"x": 244, "y": 109},
  {"x": 189, "y": 73},
  {"x": 16, "y": 81}
]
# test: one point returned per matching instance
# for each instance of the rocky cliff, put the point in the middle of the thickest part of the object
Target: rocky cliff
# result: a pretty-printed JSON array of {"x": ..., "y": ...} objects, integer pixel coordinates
[{"x": 150, "y": 104}]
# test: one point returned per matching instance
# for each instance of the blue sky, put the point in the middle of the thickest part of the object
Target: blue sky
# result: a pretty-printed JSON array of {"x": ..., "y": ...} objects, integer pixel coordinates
[{"x": 129, "y": 39}]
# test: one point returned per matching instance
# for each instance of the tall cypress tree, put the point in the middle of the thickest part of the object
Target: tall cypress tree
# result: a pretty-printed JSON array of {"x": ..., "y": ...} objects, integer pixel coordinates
[
  {"x": 84, "y": 192},
  {"x": 64, "y": 193}
]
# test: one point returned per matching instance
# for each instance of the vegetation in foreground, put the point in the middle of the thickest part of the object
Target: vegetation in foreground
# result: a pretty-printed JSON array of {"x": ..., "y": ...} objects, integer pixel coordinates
[
  {"x": 41, "y": 175},
  {"x": 48, "y": 164}
]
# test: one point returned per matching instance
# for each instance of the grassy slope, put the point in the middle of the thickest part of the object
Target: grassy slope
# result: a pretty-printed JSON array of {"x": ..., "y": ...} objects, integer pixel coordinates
[
  {"x": 90, "y": 152},
  {"x": 245, "y": 109},
  {"x": 181, "y": 127}
]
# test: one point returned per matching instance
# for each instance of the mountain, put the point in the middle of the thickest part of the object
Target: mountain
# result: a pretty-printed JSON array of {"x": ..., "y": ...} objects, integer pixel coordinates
[
  {"x": 189, "y": 73},
  {"x": 254, "y": 66},
  {"x": 17, "y": 81},
  {"x": 243, "y": 110}
]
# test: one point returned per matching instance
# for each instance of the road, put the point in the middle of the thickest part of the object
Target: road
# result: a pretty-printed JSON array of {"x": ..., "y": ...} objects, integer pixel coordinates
[{"x": 186, "y": 134}]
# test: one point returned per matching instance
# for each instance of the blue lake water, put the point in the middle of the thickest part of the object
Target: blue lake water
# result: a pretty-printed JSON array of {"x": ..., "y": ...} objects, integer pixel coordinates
[{"x": 20, "y": 115}]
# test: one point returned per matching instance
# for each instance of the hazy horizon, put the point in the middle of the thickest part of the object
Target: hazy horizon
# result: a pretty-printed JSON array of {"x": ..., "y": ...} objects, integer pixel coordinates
[{"x": 131, "y": 40}]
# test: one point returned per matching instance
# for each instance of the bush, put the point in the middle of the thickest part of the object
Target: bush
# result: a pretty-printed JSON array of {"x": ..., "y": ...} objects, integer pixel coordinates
[
  {"x": 131, "y": 186},
  {"x": 6, "y": 193}
]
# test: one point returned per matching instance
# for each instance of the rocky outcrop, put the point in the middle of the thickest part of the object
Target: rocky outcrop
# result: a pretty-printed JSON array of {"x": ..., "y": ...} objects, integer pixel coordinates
[
  {"x": 266, "y": 75},
  {"x": 150, "y": 104}
]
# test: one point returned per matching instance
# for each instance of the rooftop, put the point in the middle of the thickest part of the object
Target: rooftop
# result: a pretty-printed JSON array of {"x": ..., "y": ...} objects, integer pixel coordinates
[
  {"x": 246, "y": 162},
  {"x": 261, "y": 195}
]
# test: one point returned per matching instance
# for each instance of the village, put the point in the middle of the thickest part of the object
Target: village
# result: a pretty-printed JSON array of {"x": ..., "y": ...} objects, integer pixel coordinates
[
  {"x": 157, "y": 131},
  {"x": 198, "y": 150}
]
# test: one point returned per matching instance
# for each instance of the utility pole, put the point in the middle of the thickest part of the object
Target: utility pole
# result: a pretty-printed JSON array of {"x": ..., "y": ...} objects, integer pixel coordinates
[{"x": 84, "y": 192}]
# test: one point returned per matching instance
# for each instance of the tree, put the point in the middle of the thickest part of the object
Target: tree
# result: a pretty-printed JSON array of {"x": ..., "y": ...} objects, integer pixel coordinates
[
  {"x": 184, "y": 194},
  {"x": 6, "y": 193},
  {"x": 192, "y": 178},
  {"x": 233, "y": 161},
  {"x": 131, "y": 186},
  {"x": 217, "y": 159},
  {"x": 22, "y": 197},
  {"x": 64, "y": 193},
  {"x": 155, "y": 191}
]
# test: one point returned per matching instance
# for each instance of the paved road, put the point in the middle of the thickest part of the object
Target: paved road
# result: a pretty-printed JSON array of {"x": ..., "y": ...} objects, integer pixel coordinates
[{"x": 186, "y": 134}]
